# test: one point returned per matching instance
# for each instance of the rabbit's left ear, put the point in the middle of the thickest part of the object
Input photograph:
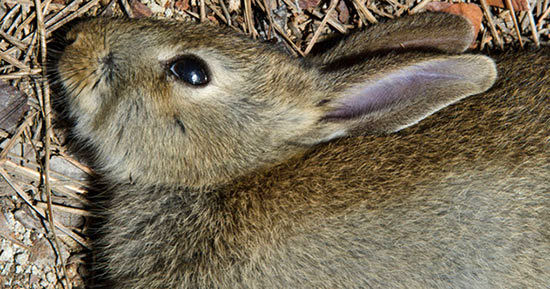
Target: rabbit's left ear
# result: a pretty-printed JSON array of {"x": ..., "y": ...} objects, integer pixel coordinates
[{"x": 395, "y": 99}]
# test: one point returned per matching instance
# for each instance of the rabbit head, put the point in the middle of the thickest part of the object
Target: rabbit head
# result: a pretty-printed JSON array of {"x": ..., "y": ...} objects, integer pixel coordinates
[{"x": 194, "y": 105}]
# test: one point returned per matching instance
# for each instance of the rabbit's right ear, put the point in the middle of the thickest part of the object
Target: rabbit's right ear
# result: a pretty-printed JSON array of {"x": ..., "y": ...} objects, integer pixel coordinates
[
  {"x": 388, "y": 101},
  {"x": 440, "y": 31}
]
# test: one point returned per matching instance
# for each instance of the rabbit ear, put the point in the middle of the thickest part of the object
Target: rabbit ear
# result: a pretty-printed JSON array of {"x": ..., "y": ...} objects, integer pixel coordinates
[
  {"x": 434, "y": 31},
  {"x": 401, "y": 97}
]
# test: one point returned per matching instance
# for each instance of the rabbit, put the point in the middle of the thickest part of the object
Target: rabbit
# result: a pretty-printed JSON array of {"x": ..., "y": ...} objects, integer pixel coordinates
[{"x": 389, "y": 160}]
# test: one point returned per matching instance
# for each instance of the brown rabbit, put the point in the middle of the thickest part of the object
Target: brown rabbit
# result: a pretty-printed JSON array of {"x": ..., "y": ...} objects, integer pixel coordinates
[{"x": 233, "y": 165}]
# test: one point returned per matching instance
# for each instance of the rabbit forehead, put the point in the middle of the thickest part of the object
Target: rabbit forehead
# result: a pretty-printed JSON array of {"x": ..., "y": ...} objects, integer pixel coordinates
[{"x": 152, "y": 33}]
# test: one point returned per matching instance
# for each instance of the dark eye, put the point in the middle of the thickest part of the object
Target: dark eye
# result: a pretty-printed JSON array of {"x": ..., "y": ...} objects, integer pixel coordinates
[{"x": 190, "y": 69}]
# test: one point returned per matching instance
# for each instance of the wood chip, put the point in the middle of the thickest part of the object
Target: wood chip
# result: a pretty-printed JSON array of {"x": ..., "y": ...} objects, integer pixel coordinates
[
  {"x": 13, "y": 104},
  {"x": 519, "y": 5},
  {"x": 468, "y": 10},
  {"x": 139, "y": 9}
]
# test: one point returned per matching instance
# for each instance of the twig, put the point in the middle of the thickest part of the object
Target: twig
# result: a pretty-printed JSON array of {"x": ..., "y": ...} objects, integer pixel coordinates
[
  {"x": 332, "y": 22},
  {"x": 249, "y": 21},
  {"x": 12, "y": 60},
  {"x": 544, "y": 15},
  {"x": 282, "y": 33},
  {"x": 54, "y": 26},
  {"x": 69, "y": 190},
  {"x": 29, "y": 19},
  {"x": 30, "y": 3},
  {"x": 76, "y": 163},
  {"x": 420, "y": 6},
  {"x": 364, "y": 13},
  {"x": 515, "y": 20},
  {"x": 15, "y": 137},
  {"x": 193, "y": 14},
  {"x": 13, "y": 40},
  {"x": 66, "y": 10},
  {"x": 534, "y": 31},
  {"x": 202, "y": 11},
  {"x": 28, "y": 201},
  {"x": 377, "y": 11},
  {"x": 292, "y": 6},
  {"x": 14, "y": 23},
  {"x": 71, "y": 210},
  {"x": 269, "y": 18},
  {"x": 25, "y": 23},
  {"x": 77, "y": 13},
  {"x": 217, "y": 12},
  {"x": 317, "y": 33},
  {"x": 9, "y": 14},
  {"x": 46, "y": 113},
  {"x": 14, "y": 241},
  {"x": 225, "y": 12},
  {"x": 30, "y": 49},
  {"x": 127, "y": 9},
  {"x": 489, "y": 18}
]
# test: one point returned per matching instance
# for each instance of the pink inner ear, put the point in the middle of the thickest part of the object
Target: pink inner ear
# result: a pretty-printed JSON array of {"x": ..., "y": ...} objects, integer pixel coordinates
[{"x": 403, "y": 86}]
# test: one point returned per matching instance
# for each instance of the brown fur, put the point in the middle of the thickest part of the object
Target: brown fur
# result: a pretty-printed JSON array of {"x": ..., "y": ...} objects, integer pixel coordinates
[{"x": 251, "y": 196}]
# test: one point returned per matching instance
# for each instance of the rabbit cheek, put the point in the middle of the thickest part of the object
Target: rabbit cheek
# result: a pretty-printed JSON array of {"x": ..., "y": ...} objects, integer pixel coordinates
[{"x": 83, "y": 91}]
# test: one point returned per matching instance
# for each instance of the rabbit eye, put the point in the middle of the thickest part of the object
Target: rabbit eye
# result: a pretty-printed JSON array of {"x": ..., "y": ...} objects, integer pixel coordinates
[{"x": 190, "y": 69}]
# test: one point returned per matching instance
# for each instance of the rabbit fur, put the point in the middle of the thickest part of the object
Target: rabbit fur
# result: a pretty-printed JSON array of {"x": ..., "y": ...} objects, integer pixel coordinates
[{"x": 377, "y": 163}]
